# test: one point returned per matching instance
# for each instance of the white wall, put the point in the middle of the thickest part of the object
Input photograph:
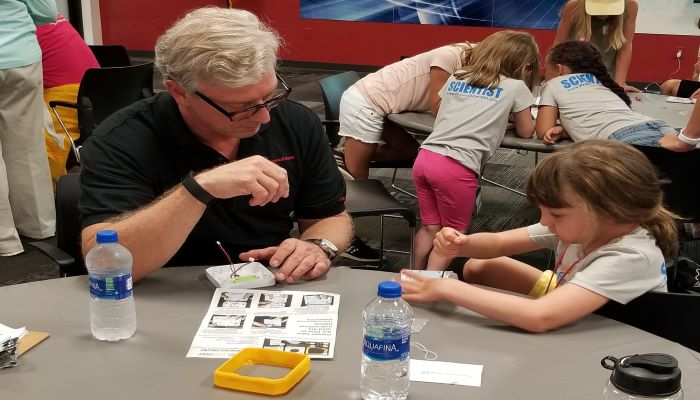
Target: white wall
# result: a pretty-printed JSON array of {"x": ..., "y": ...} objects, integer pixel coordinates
[
  {"x": 92, "y": 30},
  {"x": 671, "y": 17}
]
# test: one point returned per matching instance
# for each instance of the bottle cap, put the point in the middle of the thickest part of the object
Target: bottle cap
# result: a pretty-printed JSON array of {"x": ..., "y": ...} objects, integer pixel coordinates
[
  {"x": 649, "y": 375},
  {"x": 389, "y": 289},
  {"x": 107, "y": 236}
]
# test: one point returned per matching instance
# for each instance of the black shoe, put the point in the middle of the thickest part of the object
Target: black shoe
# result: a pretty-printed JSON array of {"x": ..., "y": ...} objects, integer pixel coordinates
[{"x": 360, "y": 251}]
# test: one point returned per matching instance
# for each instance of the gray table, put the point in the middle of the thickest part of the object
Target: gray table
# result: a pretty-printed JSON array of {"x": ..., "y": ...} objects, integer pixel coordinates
[
  {"x": 649, "y": 104},
  {"x": 656, "y": 106},
  {"x": 171, "y": 303},
  {"x": 423, "y": 123}
]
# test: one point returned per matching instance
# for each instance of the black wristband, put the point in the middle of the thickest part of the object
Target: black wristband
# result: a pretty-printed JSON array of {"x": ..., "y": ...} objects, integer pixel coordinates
[{"x": 196, "y": 190}]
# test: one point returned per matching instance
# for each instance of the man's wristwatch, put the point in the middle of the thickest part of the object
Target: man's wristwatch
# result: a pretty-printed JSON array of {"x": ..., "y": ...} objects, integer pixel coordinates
[
  {"x": 687, "y": 140},
  {"x": 326, "y": 245},
  {"x": 196, "y": 190}
]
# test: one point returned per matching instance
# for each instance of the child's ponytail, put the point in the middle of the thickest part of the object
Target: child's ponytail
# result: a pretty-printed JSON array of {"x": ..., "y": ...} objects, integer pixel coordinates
[
  {"x": 662, "y": 226},
  {"x": 584, "y": 57}
]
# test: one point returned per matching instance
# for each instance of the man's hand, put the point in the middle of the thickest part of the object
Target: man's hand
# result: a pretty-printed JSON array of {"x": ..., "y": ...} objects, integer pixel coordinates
[
  {"x": 448, "y": 242},
  {"x": 264, "y": 180},
  {"x": 670, "y": 141},
  {"x": 294, "y": 258},
  {"x": 553, "y": 135}
]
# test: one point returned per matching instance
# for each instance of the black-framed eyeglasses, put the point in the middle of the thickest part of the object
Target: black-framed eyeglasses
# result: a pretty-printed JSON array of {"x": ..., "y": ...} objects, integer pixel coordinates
[{"x": 276, "y": 100}]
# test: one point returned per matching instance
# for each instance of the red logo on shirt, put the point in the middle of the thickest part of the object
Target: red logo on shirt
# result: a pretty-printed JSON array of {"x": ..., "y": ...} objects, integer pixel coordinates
[{"x": 281, "y": 159}]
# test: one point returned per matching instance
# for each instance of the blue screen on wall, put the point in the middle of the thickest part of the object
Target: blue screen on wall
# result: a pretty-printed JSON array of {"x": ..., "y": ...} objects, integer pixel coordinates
[{"x": 530, "y": 14}]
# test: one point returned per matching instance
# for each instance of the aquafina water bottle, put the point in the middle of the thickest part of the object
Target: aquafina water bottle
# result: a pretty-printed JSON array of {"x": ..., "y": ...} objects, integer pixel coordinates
[
  {"x": 112, "y": 310},
  {"x": 386, "y": 345}
]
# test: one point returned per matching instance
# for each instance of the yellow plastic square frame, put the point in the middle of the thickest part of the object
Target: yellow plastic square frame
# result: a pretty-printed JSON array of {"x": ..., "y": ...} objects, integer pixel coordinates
[{"x": 225, "y": 376}]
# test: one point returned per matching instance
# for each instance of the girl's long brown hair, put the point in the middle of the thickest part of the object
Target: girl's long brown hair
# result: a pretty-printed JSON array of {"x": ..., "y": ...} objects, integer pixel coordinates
[
  {"x": 614, "y": 179},
  {"x": 584, "y": 57}
]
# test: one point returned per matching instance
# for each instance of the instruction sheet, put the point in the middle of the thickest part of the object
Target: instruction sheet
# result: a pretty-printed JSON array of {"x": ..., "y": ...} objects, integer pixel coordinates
[{"x": 299, "y": 322}]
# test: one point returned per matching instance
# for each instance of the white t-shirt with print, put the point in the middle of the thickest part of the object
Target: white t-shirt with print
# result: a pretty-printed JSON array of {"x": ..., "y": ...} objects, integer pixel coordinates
[
  {"x": 587, "y": 109},
  {"x": 472, "y": 121},
  {"x": 621, "y": 270}
]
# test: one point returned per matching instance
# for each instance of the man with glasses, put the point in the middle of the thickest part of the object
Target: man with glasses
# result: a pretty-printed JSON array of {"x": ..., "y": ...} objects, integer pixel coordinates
[{"x": 221, "y": 156}]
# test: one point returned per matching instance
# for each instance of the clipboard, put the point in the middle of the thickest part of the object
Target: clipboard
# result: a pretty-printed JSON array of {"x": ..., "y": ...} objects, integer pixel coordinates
[{"x": 31, "y": 339}]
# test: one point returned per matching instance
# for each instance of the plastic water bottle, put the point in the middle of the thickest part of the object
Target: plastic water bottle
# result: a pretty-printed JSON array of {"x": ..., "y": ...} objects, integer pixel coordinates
[
  {"x": 386, "y": 345},
  {"x": 112, "y": 309}
]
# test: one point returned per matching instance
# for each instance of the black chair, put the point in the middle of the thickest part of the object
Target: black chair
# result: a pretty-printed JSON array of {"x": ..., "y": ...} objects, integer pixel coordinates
[
  {"x": 672, "y": 316},
  {"x": 332, "y": 88},
  {"x": 67, "y": 253},
  {"x": 102, "y": 92},
  {"x": 369, "y": 197},
  {"x": 111, "y": 55},
  {"x": 681, "y": 189}
]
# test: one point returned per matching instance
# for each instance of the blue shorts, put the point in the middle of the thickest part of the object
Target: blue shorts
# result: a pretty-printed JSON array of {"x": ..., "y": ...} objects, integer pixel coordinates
[{"x": 644, "y": 134}]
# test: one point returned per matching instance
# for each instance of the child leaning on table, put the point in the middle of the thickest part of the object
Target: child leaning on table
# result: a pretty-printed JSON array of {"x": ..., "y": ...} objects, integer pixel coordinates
[
  {"x": 601, "y": 212},
  {"x": 590, "y": 105},
  {"x": 469, "y": 127}
]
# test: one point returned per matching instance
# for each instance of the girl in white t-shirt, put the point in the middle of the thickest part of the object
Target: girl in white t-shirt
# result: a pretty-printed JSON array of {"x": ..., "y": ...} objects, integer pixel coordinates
[
  {"x": 609, "y": 242},
  {"x": 476, "y": 103},
  {"x": 590, "y": 105}
]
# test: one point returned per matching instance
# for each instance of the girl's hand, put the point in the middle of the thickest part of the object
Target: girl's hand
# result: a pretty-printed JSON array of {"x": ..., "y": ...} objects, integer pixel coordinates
[
  {"x": 448, "y": 242},
  {"x": 420, "y": 288},
  {"x": 553, "y": 135},
  {"x": 695, "y": 94},
  {"x": 629, "y": 88}
]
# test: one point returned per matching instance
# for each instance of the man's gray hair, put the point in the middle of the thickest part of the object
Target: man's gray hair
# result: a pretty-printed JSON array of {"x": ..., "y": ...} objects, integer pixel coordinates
[{"x": 221, "y": 46}]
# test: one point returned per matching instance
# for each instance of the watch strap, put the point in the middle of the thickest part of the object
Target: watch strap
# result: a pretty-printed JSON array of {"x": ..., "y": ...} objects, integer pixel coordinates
[
  {"x": 687, "y": 140},
  {"x": 196, "y": 190},
  {"x": 326, "y": 249}
]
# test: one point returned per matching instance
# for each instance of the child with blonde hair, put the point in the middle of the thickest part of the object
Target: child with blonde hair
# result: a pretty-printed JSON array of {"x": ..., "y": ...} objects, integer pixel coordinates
[
  {"x": 609, "y": 243},
  {"x": 476, "y": 103},
  {"x": 609, "y": 24},
  {"x": 411, "y": 84}
]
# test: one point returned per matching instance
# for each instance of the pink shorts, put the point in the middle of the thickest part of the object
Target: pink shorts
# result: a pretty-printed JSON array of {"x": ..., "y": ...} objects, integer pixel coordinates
[{"x": 446, "y": 190}]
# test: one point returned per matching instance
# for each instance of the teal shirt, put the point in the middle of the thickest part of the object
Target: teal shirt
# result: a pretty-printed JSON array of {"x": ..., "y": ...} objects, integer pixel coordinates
[{"x": 18, "y": 19}]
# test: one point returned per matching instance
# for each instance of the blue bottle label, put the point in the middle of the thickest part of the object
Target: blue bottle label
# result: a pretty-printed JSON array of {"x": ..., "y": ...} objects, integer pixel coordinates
[
  {"x": 386, "y": 349},
  {"x": 111, "y": 288}
]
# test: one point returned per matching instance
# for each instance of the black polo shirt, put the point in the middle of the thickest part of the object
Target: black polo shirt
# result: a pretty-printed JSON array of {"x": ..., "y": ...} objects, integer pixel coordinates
[{"x": 142, "y": 151}]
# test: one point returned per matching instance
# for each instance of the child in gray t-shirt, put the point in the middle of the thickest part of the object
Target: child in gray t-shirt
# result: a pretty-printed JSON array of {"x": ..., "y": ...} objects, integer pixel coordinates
[
  {"x": 590, "y": 105},
  {"x": 609, "y": 243},
  {"x": 470, "y": 124}
]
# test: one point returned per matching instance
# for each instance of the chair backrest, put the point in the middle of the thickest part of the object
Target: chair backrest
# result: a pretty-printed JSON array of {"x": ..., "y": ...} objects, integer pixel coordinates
[
  {"x": 672, "y": 316},
  {"x": 682, "y": 189},
  {"x": 103, "y": 91},
  {"x": 332, "y": 88},
  {"x": 111, "y": 55},
  {"x": 67, "y": 222}
]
